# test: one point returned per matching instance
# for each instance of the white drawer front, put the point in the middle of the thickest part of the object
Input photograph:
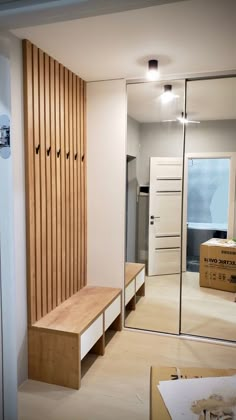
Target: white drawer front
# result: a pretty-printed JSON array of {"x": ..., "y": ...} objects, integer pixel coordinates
[
  {"x": 112, "y": 312},
  {"x": 129, "y": 291},
  {"x": 168, "y": 185},
  {"x": 167, "y": 261},
  {"x": 91, "y": 336},
  {"x": 168, "y": 242},
  {"x": 140, "y": 278}
]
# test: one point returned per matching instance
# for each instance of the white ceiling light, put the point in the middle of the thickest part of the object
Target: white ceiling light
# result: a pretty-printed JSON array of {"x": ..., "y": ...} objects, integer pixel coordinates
[
  {"x": 152, "y": 73},
  {"x": 168, "y": 95}
]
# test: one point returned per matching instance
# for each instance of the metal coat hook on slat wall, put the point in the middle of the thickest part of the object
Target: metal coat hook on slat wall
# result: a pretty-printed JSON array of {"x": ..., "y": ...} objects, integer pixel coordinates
[
  {"x": 48, "y": 151},
  {"x": 37, "y": 149}
]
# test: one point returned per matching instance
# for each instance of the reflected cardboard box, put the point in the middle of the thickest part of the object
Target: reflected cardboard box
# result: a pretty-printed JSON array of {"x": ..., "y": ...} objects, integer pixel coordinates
[{"x": 218, "y": 264}]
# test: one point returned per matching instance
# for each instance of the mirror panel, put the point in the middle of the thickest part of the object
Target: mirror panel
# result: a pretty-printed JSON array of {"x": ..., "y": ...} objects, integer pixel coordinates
[
  {"x": 154, "y": 205},
  {"x": 208, "y": 300}
]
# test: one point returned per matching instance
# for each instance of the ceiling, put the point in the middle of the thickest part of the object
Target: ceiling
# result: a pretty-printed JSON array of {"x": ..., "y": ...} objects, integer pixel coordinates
[
  {"x": 20, "y": 13},
  {"x": 213, "y": 99},
  {"x": 187, "y": 37}
]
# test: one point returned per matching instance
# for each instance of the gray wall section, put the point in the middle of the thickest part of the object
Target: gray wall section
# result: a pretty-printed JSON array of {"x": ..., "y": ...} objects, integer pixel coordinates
[
  {"x": 211, "y": 136},
  {"x": 158, "y": 140},
  {"x": 131, "y": 210},
  {"x": 133, "y": 146}
]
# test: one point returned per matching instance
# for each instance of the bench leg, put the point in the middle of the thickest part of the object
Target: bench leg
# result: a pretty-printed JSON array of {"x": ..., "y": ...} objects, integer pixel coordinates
[
  {"x": 117, "y": 324},
  {"x": 132, "y": 304},
  {"x": 99, "y": 347},
  {"x": 141, "y": 290}
]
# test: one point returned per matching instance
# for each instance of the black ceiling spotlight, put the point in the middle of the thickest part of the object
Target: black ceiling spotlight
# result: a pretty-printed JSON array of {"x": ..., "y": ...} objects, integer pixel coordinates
[{"x": 152, "y": 73}]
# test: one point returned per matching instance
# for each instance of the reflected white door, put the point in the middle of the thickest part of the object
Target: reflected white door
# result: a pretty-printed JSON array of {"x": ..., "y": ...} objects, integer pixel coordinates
[{"x": 165, "y": 201}]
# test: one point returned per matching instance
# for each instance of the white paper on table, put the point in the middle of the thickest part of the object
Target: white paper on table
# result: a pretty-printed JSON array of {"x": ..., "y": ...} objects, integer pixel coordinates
[{"x": 180, "y": 394}]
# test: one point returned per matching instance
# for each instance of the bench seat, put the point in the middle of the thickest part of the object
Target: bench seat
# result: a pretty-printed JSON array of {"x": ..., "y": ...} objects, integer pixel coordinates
[
  {"x": 59, "y": 341},
  {"x": 134, "y": 283}
]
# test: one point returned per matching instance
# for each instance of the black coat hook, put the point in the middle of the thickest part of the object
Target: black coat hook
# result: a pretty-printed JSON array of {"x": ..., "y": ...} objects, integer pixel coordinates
[
  {"x": 37, "y": 149},
  {"x": 48, "y": 151},
  {"x": 67, "y": 155},
  {"x": 82, "y": 158},
  {"x": 76, "y": 156},
  {"x": 58, "y": 153}
]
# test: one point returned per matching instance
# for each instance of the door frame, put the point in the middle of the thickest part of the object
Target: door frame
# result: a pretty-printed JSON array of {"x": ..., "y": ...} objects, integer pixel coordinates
[{"x": 231, "y": 203}]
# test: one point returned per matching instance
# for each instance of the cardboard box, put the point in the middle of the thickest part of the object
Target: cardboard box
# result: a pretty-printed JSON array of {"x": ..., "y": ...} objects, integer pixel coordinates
[
  {"x": 158, "y": 410},
  {"x": 218, "y": 265}
]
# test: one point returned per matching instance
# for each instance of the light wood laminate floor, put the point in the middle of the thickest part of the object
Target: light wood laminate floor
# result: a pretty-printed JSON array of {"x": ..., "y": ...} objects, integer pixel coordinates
[
  {"x": 116, "y": 386},
  {"x": 205, "y": 312}
]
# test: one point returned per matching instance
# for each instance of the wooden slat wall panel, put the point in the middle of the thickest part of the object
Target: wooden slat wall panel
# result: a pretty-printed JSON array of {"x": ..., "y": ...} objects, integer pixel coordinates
[
  {"x": 30, "y": 189},
  {"x": 55, "y": 181}
]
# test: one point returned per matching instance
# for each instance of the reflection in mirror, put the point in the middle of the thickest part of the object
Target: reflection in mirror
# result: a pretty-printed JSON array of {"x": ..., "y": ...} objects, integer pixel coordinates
[
  {"x": 154, "y": 191},
  {"x": 208, "y": 299}
]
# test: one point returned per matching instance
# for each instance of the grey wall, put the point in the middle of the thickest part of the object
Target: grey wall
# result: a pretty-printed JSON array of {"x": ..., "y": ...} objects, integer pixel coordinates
[
  {"x": 211, "y": 136},
  {"x": 133, "y": 148},
  {"x": 160, "y": 140},
  {"x": 133, "y": 137}
]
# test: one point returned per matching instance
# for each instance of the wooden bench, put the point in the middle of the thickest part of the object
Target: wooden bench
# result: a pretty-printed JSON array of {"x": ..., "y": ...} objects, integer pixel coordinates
[
  {"x": 60, "y": 340},
  {"x": 134, "y": 283}
]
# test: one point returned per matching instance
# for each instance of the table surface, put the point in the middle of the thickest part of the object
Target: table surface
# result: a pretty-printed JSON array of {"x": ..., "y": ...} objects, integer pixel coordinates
[{"x": 131, "y": 271}]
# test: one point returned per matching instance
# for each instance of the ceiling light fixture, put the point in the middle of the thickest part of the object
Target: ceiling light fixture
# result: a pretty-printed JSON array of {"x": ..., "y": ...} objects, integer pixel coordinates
[
  {"x": 152, "y": 73},
  {"x": 167, "y": 95}
]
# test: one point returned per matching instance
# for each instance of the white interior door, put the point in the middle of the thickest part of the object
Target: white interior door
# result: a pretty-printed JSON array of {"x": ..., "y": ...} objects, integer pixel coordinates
[{"x": 165, "y": 201}]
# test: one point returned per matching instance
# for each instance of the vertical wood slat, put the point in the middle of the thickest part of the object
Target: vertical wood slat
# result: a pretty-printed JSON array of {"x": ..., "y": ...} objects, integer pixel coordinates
[
  {"x": 30, "y": 190},
  {"x": 81, "y": 182},
  {"x": 71, "y": 185},
  {"x": 48, "y": 183},
  {"x": 67, "y": 177},
  {"x": 58, "y": 182},
  {"x": 84, "y": 96},
  {"x": 37, "y": 181},
  {"x": 55, "y": 181},
  {"x": 78, "y": 182},
  {"x": 63, "y": 181},
  {"x": 75, "y": 176},
  {"x": 43, "y": 184}
]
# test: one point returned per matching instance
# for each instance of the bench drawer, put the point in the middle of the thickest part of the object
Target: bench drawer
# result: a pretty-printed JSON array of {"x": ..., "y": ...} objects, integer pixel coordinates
[
  {"x": 140, "y": 278},
  {"x": 112, "y": 312},
  {"x": 91, "y": 336},
  {"x": 129, "y": 291}
]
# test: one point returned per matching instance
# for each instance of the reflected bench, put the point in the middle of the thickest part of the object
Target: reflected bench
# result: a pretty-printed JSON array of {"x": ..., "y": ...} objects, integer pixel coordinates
[
  {"x": 60, "y": 340},
  {"x": 134, "y": 283}
]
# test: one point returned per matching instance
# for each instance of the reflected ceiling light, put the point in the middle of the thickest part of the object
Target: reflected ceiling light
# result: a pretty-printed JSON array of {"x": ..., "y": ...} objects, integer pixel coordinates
[
  {"x": 168, "y": 95},
  {"x": 184, "y": 120},
  {"x": 152, "y": 73}
]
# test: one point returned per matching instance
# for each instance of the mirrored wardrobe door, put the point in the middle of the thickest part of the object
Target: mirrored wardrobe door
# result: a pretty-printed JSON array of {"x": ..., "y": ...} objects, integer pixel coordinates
[
  {"x": 209, "y": 249},
  {"x": 154, "y": 205}
]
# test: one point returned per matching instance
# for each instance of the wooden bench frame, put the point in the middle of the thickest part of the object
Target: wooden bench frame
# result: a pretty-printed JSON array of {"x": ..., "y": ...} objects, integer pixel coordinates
[
  {"x": 58, "y": 342},
  {"x": 134, "y": 283}
]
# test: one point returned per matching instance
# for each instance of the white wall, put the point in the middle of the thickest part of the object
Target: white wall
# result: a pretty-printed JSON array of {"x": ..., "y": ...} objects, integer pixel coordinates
[
  {"x": 8, "y": 273},
  {"x": 19, "y": 205},
  {"x": 106, "y": 150},
  {"x": 11, "y": 46}
]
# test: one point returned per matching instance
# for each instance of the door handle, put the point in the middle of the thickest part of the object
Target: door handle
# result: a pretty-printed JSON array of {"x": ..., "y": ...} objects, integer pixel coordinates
[{"x": 154, "y": 217}]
